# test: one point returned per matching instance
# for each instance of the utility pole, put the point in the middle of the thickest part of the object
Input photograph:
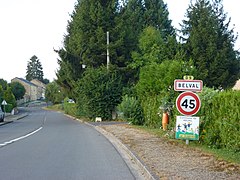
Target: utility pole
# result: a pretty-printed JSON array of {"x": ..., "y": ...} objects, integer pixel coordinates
[{"x": 108, "y": 58}]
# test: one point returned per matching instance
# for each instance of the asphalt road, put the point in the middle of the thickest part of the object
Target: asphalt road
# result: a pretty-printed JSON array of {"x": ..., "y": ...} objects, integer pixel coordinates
[{"x": 47, "y": 145}]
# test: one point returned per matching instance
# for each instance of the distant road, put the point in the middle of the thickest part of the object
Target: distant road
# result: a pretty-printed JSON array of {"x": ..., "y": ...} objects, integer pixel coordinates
[{"x": 47, "y": 145}]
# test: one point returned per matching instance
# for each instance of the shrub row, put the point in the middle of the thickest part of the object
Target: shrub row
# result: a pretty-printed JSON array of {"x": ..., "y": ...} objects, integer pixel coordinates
[
  {"x": 220, "y": 120},
  {"x": 219, "y": 116}
]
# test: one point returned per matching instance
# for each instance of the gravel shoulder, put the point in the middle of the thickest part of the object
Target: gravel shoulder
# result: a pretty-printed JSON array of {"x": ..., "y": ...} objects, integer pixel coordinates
[{"x": 169, "y": 160}]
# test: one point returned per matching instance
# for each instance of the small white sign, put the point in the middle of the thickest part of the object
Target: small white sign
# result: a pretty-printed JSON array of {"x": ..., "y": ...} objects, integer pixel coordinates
[
  {"x": 187, "y": 127},
  {"x": 4, "y": 102},
  {"x": 188, "y": 85}
]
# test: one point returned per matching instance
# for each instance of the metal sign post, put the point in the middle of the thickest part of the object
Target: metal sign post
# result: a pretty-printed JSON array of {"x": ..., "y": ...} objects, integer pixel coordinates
[{"x": 4, "y": 103}]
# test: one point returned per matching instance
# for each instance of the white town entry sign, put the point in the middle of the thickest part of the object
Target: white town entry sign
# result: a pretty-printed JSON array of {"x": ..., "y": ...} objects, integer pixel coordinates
[{"x": 188, "y": 85}]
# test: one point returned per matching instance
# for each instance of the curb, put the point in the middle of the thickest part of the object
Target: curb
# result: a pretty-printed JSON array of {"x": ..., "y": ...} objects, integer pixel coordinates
[
  {"x": 139, "y": 170},
  {"x": 17, "y": 117},
  {"x": 145, "y": 174}
]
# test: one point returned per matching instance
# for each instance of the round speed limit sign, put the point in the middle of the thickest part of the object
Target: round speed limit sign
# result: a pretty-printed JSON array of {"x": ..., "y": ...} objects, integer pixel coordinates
[{"x": 188, "y": 103}]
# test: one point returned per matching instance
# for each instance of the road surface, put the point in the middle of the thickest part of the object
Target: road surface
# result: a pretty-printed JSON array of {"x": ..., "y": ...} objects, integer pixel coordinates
[{"x": 49, "y": 145}]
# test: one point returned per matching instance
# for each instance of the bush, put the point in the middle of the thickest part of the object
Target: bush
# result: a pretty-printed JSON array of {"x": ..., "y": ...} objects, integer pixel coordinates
[
  {"x": 150, "y": 106},
  {"x": 98, "y": 93},
  {"x": 130, "y": 110},
  {"x": 70, "y": 108},
  {"x": 8, "y": 108},
  {"x": 221, "y": 127}
]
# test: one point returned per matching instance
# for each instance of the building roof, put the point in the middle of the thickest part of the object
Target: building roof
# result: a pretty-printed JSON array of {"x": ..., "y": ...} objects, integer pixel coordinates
[{"x": 26, "y": 81}]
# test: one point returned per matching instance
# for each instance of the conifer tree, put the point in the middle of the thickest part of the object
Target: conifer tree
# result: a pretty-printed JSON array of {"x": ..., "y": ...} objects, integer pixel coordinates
[
  {"x": 85, "y": 42},
  {"x": 34, "y": 69},
  {"x": 210, "y": 44},
  {"x": 156, "y": 15}
]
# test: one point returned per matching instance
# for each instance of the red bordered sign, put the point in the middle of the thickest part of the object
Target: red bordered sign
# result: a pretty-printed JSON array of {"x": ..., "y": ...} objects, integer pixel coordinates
[
  {"x": 188, "y": 85},
  {"x": 188, "y": 103}
]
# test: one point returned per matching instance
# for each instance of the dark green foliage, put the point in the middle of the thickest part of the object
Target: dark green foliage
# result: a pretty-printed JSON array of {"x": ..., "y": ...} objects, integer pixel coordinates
[
  {"x": 130, "y": 109},
  {"x": 4, "y": 84},
  {"x": 70, "y": 108},
  {"x": 9, "y": 97},
  {"x": 157, "y": 78},
  {"x": 46, "y": 81},
  {"x": 153, "y": 48},
  {"x": 156, "y": 15},
  {"x": 53, "y": 93},
  {"x": 209, "y": 42},
  {"x": 155, "y": 88},
  {"x": 220, "y": 123},
  {"x": 65, "y": 78},
  {"x": 98, "y": 93},
  {"x": 34, "y": 69},
  {"x": 18, "y": 90},
  {"x": 1, "y": 94},
  {"x": 7, "y": 108},
  {"x": 85, "y": 42},
  {"x": 152, "y": 116}
]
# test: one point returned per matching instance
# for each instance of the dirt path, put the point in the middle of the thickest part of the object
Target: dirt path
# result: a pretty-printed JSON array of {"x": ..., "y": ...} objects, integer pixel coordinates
[{"x": 167, "y": 160}]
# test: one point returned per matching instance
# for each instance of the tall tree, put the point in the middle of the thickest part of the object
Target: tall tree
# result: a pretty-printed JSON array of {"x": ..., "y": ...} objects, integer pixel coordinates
[
  {"x": 85, "y": 42},
  {"x": 4, "y": 84},
  {"x": 18, "y": 90},
  {"x": 138, "y": 16},
  {"x": 156, "y": 15},
  {"x": 34, "y": 69},
  {"x": 54, "y": 93},
  {"x": 9, "y": 97},
  {"x": 210, "y": 44},
  {"x": 153, "y": 48}
]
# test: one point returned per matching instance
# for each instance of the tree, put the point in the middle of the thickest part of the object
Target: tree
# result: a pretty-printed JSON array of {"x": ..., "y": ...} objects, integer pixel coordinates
[
  {"x": 4, "y": 84},
  {"x": 9, "y": 97},
  {"x": 143, "y": 19},
  {"x": 156, "y": 15},
  {"x": 46, "y": 81},
  {"x": 1, "y": 94},
  {"x": 99, "y": 92},
  {"x": 53, "y": 93},
  {"x": 210, "y": 44},
  {"x": 153, "y": 48},
  {"x": 85, "y": 42},
  {"x": 18, "y": 90},
  {"x": 34, "y": 69}
]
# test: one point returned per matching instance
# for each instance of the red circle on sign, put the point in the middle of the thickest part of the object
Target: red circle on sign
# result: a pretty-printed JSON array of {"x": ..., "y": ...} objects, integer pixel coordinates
[{"x": 188, "y": 103}]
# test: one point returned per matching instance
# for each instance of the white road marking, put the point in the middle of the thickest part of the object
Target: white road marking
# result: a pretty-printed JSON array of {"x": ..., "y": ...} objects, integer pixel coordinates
[{"x": 19, "y": 138}]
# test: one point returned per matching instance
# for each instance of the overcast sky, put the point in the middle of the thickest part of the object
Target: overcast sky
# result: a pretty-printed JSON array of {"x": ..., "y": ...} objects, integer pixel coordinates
[{"x": 35, "y": 27}]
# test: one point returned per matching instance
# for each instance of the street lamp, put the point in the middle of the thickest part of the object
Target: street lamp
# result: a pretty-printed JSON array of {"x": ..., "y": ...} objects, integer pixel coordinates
[{"x": 108, "y": 58}]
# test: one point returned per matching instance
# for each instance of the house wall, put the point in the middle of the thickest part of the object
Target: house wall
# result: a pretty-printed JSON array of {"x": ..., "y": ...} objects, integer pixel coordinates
[
  {"x": 41, "y": 88},
  {"x": 31, "y": 89}
]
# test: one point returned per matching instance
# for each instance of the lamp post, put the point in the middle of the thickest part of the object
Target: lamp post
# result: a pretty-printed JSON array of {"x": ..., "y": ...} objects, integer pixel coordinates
[{"x": 108, "y": 58}]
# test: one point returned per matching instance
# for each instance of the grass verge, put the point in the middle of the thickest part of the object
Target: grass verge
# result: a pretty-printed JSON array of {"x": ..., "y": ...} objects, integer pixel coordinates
[{"x": 221, "y": 154}]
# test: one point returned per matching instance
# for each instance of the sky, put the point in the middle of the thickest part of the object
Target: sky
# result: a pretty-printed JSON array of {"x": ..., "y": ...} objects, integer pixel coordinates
[{"x": 36, "y": 27}]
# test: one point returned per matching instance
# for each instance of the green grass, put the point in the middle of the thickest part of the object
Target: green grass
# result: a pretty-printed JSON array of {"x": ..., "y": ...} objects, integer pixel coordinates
[
  {"x": 55, "y": 107},
  {"x": 222, "y": 154}
]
